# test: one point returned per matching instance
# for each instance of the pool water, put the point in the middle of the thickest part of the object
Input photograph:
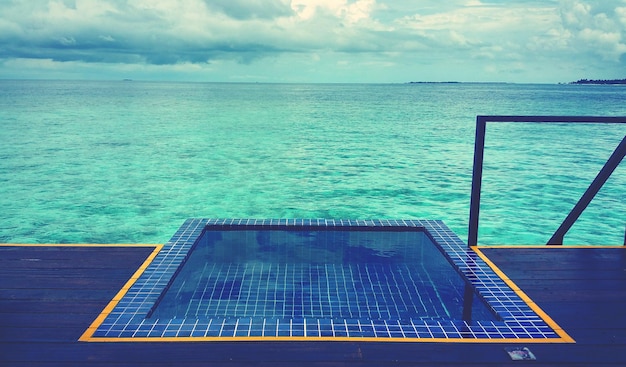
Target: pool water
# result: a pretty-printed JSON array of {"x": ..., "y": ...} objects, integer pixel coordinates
[{"x": 296, "y": 274}]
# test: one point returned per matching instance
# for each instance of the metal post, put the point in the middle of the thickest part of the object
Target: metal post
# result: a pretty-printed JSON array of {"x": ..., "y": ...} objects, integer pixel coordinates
[
  {"x": 596, "y": 185},
  {"x": 477, "y": 174},
  {"x": 468, "y": 300}
]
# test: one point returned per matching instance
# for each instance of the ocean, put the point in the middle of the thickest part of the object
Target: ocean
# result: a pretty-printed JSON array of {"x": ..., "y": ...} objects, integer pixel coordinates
[{"x": 129, "y": 161}]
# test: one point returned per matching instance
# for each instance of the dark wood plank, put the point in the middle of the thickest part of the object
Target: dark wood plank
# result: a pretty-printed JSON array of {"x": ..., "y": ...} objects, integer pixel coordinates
[
  {"x": 9, "y": 306},
  {"x": 27, "y": 281},
  {"x": 82, "y": 258},
  {"x": 42, "y": 316},
  {"x": 47, "y": 301},
  {"x": 70, "y": 295}
]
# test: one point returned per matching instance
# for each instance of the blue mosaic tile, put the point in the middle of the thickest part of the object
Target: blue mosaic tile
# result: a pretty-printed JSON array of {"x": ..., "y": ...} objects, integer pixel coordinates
[{"x": 129, "y": 319}]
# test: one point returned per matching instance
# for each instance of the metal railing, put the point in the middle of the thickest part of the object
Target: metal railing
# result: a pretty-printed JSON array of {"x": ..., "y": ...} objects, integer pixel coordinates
[{"x": 596, "y": 185}]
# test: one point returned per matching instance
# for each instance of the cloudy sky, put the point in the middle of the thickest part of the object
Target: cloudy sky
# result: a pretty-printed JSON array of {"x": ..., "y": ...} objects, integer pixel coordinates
[{"x": 314, "y": 40}]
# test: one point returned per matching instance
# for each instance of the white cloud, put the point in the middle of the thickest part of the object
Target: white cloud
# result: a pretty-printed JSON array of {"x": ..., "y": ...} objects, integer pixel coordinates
[
  {"x": 484, "y": 31},
  {"x": 621, "y": 15},
  {"x": 341, "y": 9},
  {"x": 107, "y": 38},
  {"x": 608, "y": 44},
  {"x": 592, "y": 27}
]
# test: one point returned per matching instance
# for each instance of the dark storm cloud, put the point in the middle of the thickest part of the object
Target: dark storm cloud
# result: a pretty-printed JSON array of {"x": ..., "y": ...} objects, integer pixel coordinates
[{"x": 120, "y": 33}]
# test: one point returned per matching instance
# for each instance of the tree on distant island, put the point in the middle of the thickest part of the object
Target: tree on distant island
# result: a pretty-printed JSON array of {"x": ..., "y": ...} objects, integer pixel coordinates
[{"x": 592, "y": 81}]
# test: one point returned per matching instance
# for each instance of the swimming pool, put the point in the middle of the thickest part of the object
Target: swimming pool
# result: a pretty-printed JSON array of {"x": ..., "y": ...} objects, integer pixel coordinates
[
  {"x": 378, "y": 280},
  {"x": 316, "y": 273}
]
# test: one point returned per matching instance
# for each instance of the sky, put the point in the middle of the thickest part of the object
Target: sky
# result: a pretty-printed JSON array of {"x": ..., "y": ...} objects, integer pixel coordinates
[{"x": 314, "y": 41}]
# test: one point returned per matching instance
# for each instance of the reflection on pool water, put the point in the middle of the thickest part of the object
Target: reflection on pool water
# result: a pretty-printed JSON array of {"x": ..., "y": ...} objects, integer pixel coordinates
[{"x": 316, "y": 273}]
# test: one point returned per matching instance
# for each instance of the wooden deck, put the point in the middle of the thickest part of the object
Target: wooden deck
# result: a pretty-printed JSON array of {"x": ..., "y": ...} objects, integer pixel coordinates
[{"x": 50, "y": 295}]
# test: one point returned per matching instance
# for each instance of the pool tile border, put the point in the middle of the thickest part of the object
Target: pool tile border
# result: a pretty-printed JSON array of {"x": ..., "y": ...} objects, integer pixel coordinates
[{"x": 125, "y": 317}]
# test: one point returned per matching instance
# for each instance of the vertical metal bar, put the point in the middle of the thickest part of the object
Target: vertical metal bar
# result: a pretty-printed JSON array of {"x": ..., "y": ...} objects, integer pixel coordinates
[
  {"x": 468, "y": 300},
  {"x": 596, "y": 185},
  {"x": 477, "y": 174}
]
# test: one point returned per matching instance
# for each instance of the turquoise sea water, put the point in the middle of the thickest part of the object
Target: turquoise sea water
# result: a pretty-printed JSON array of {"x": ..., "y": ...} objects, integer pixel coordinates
[{"x": 128, "y": 162}]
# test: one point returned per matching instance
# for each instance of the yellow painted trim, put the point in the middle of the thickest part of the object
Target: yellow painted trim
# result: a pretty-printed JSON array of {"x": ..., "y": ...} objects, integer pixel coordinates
[
  {"x": 544, "y": 316},
  {"x": 599, "y": 247},
  {"x": 88, "y": 334},
  {"x": 327, "y": 339},
  {"x": 563, "y": 336}
]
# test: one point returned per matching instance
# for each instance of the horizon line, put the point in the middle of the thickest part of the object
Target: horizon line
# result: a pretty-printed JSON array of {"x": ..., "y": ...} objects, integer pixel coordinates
[{"x": 130, "y": 80}]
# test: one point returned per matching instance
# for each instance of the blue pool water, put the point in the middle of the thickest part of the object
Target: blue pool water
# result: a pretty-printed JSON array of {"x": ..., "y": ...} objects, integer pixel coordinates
[
  {"x": 127, "y": 162},
  {"x": 317, "y": 273}
]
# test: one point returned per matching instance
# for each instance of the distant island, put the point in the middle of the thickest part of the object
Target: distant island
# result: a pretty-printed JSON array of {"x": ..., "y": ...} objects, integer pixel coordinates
[
  {"x": 434, "y": 82},
  {"x": 591, "y": 81}
]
